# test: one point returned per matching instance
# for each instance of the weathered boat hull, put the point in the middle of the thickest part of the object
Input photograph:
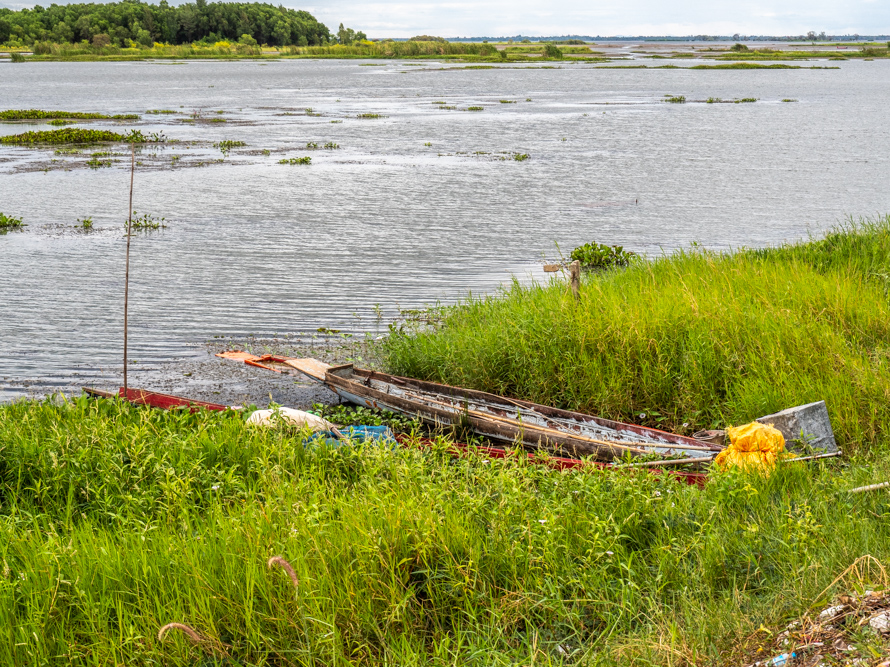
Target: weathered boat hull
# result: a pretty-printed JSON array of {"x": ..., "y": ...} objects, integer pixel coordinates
[{"x": 498, "y": 418}]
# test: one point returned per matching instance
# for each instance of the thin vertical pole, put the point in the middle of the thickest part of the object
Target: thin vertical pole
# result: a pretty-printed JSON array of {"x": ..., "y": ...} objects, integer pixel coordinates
[{"x": 127, "y": 273}]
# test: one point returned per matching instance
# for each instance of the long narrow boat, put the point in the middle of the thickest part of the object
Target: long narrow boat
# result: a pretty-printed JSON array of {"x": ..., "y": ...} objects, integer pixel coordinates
[
  {"x": 494, "y": 417},
  {"x": 156, "y": 399}
]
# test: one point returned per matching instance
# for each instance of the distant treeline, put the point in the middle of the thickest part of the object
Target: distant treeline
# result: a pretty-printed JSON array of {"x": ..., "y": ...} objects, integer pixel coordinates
[{"x": 119, "y": 23}]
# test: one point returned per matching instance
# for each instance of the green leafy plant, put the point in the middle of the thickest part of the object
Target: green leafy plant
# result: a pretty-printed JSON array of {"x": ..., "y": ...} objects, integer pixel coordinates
[
  {"x": 675, "y": 99},
  {"x": 521, "y": 157},
  {"x": 85, "y": 223},
  {"x": 597, "y": 256},
  {"x": 370, "y": 115},
  {"x": 349, "y": 415},
  {"x": 312, "y": 145},
  {"x": 331, "y": 145},
  {"x": 475, "y": 108},
  {"x": 17, "y": 57}
]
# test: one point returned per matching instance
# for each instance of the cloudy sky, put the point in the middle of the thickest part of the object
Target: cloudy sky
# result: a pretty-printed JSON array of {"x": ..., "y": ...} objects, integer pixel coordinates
[
  {"x": 457, "y": 18},
  {"x": 400, "y": 18}
]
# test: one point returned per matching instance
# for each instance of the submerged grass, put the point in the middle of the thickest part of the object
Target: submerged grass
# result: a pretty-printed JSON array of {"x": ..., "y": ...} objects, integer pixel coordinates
[
  {"x": 692, "y": 340},
  {"x": 117, "y": 520}
]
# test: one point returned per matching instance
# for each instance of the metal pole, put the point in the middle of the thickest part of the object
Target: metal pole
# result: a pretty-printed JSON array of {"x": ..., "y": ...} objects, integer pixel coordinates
[{"x": 127, "y": 273}]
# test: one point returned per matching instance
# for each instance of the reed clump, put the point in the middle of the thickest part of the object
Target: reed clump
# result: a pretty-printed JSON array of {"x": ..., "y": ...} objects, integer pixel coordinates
[
  {"x": 121, "y": 524},
  {"x": 692, "y": 340}
]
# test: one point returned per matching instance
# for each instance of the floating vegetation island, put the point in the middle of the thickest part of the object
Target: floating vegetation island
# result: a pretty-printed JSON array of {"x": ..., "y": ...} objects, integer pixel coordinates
[
  {"x": 76, "y": 136},
  {"x": 39, "y": 114}
]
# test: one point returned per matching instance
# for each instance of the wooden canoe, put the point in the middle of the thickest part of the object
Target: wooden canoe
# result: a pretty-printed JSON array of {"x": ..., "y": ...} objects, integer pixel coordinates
[{"x": 497, "y": 418}]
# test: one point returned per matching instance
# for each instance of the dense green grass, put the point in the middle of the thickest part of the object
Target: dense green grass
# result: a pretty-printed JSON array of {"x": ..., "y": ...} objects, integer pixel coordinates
[
  {"x": 776, "y": 54},
  {"x": 695, "y": 339},
  {"x": 116, "y": 520}
]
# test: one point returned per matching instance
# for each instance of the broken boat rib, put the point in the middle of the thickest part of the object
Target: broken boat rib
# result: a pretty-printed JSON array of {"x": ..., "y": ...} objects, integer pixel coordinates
[{"x": 494, "y": 417}]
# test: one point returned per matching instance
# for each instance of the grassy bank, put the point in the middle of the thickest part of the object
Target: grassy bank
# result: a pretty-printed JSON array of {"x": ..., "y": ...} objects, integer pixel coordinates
[
  {"x": 116, "y": 520},
  {"x": 471, "y": 51},
  {"x": 692, "y": 340}
]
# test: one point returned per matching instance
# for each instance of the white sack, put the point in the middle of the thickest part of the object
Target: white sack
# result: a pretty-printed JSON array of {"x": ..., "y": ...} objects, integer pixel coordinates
[{"x": 290, "y": 416}]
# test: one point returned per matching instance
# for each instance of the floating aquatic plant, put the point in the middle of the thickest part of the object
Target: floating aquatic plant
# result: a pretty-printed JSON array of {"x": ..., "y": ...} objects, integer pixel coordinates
[
  {"x": 296, "y": 160},
  {"x": 39, "y": 114},
  {"x": 74, "y": 136},
  {"x": 228, "y": 144},
  {"x": 145, "y": 222},
  {"x": 8, "y": 222}
]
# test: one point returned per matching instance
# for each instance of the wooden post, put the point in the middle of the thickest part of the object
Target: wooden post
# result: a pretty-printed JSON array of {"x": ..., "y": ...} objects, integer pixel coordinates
[
  {"x": 575, "y": 272},
  {"x": 127, "y": 270}
]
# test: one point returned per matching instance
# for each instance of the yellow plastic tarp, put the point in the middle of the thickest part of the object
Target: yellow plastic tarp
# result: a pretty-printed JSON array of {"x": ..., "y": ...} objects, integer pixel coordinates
[{"x": 753, "y": 446}]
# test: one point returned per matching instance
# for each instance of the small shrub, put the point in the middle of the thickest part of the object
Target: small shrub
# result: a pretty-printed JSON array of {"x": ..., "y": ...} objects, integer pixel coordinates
[
  {"x": 475, "y": 108},
  {"x": 17, "y": 57},
  {"x": 675, "y": 99},
  {"x": 597, "y": 256},
  {"x": 746, "y": 100},
  {"x": 739, "y": 48},
  {"x": 370, "y": 115},
  {"x": 520, "y": 157},
  {"x": 788, "y": 99},
  {"x": 85, "y": 223},
  {"x": 552, "y": 52},
  {"x": 331, "y": 145},
  {"x": 312, "y": 145}
]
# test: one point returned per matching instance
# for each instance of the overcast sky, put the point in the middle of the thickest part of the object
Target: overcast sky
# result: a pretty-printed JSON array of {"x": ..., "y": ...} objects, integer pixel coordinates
[
  {"x": 399, "y": 18},
  {"x": 457, "y": 18}
]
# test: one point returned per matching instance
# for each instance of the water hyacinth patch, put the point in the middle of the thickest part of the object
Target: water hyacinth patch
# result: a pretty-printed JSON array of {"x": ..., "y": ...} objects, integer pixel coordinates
[
  {"x": 39, "y": 114},
  {"x": 296, "y": 160},
  {"x": 9, "y": 222},
  {"x": 76, "y": 136}
]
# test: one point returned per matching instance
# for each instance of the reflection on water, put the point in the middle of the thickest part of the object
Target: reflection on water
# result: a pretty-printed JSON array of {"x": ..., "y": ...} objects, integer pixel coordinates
[{"x": 419, "y": 205}]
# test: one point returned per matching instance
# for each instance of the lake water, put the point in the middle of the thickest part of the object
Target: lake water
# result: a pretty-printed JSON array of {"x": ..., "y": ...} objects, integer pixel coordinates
[{"x": 420, "y": 205}]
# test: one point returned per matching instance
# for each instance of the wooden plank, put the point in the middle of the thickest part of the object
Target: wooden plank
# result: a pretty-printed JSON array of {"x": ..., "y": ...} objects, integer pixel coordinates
[{"x": 312, "y": 367}]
